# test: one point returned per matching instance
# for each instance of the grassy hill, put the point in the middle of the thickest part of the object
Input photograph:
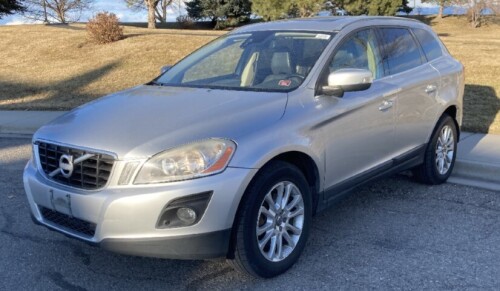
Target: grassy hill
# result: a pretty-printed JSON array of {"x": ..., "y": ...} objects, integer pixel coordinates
[
  {"x": 479, "y": 50},
  {"x": 54, "y": 67}
]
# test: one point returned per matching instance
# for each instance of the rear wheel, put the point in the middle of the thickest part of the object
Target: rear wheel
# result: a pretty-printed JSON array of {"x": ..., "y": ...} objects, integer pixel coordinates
[
  {"x": 440, "y": 153},
  {"x": 273, "y": 222}
]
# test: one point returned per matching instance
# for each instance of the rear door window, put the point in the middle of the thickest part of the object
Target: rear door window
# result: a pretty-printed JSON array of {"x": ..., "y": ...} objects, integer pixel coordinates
[
  {"x": 429, "y": 44},
  {"x": 401, "y": 52}
]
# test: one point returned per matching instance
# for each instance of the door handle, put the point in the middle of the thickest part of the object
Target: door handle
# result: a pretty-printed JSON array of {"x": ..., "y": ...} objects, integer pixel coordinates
[
  {"x": 385, "y": 105},
  {"x": 430, "y": 89}
]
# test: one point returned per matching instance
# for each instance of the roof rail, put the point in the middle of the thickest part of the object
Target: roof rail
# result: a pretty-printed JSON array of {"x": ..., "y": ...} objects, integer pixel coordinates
[{"x": 357, "y": 19}]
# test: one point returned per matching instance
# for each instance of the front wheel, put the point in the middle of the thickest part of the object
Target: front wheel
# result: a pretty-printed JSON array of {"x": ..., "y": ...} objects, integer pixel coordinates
[
  {"x": 273, "y": 221},
  {"x": 440, "y": 154}
]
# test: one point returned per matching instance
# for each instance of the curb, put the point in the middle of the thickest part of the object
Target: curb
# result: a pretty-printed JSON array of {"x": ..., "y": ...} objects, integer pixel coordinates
[
  {"x": 478, "y": 161},
  {"x": 25, "y": 122},
  {"x": 477, "y": 174}
]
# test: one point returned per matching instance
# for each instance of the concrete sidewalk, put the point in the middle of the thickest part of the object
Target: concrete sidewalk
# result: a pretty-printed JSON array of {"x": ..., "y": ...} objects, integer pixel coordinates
[
  {"x": 477, "y": 164},
  {"x": 478, "y": 161},
  {"x": 25, "y": 122}
]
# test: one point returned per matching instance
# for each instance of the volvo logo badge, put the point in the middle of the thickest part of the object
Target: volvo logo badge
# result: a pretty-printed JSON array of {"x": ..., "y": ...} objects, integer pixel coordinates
[{"x": 66, "y": 165}]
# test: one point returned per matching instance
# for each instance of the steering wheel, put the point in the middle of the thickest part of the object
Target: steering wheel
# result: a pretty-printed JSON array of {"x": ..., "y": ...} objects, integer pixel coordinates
[{"x": 296, "y": 76}]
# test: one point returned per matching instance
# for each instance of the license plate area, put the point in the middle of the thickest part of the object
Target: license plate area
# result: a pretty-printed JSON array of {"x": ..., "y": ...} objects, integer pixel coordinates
[
  {"x": 60, "y": 201},
  {"x": 71, "y": 225}
]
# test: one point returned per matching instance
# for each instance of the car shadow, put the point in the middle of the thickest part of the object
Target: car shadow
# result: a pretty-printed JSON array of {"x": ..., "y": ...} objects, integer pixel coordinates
[{"x": 481, "y": 106}]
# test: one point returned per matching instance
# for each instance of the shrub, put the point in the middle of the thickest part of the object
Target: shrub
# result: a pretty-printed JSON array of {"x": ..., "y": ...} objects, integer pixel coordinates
[
  {"x": 104, "y": 28},
  {"x": 185, "y": 21}
]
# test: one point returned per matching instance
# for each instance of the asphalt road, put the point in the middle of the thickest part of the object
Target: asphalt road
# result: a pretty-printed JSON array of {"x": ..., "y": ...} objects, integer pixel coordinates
[{"x": 391, "y": 234}]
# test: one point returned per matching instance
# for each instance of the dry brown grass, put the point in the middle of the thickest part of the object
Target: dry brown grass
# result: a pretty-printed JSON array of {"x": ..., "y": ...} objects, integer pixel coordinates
[
  {"x": 479, "y": 50},
  {"x": 53, "y": 67}
]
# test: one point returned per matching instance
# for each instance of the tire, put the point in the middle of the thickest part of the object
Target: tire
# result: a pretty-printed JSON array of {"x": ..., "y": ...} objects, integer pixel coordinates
[
  {"x": 440, "y": 153},
  {"x": 255, "y": 214}
]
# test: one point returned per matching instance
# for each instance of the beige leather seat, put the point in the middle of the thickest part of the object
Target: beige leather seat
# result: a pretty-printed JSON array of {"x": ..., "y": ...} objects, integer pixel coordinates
[{"x": 281, "y": 65}]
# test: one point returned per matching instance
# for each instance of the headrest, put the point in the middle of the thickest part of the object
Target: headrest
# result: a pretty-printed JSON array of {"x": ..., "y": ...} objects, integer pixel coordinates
[{"x": 280, "y": 62}]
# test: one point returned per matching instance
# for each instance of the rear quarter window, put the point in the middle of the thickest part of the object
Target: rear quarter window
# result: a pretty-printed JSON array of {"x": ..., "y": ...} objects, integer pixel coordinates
[
  {"x": 429, "y": 43},
  {"x": 401, "y": 52}
]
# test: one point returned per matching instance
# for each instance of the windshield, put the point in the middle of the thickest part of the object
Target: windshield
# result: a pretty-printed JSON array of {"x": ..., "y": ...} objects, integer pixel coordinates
[{"x": 260, "y": 60}]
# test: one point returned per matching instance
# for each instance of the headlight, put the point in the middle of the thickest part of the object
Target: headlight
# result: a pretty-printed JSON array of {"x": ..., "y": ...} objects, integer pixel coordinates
[{"x": 190, "y": 161}]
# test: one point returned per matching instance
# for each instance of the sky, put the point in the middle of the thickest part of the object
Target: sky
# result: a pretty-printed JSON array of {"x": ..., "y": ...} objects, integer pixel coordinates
[
  {"x": 115, "y": 6},
  {"x": 127, "y": 15}
]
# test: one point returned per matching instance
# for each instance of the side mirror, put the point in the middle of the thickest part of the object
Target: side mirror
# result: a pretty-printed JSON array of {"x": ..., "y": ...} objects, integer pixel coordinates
[
  {"x": 347, "y": 80},
  {"x": 164, "y": 69}
]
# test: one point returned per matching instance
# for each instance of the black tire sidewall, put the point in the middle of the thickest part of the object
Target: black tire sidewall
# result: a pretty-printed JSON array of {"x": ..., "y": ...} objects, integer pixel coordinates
[{"x": 259, "y": 189}]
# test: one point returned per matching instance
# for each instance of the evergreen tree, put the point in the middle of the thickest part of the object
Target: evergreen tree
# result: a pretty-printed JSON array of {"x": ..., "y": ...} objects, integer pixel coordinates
[
  {"x": 278, "y": 9},
  {"x": 272, "y": 9},
  {"x": 405, "y": 8},
  {"x": 9, "y": 7},
  {"x": 372, "y": 7},
  {"x": 221, "y": 12},
  {"x": 306, "y": 8}
]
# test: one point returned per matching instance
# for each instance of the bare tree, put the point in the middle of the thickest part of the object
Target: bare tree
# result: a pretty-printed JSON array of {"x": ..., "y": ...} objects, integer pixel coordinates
[
  {"x": 62, "y": 11},
  {"x": 151, "y": 5},
  {"x": 442, "y": 4},
  {"x": 161, "y": 10},
  {"x": 160, "y": 7},
  {"x": 477, "y": 8}
]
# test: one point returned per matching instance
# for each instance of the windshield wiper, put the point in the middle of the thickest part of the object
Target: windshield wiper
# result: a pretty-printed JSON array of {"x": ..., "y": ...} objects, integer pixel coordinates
[{"x": 155, "y": 83}]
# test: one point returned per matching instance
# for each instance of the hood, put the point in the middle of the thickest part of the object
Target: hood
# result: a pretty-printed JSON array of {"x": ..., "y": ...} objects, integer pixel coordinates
[{"x": 143, "y": 121}]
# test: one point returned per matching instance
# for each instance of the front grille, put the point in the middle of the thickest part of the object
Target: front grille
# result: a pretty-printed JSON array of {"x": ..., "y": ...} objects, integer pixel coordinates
[
  {"x": 91, "y": 174},
  {"x": 72, "y": 224}
]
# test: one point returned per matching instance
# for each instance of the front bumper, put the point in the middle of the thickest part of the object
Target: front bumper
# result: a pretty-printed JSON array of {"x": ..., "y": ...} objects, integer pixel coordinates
[
  {"x": 197, "y": 246},
  {"x": 125, "y": 217}
]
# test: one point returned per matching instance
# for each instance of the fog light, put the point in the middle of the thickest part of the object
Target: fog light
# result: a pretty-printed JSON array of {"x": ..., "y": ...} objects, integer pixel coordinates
[
  {"x": 187, "y": 215},
  {"x": 184, "y": 211}
]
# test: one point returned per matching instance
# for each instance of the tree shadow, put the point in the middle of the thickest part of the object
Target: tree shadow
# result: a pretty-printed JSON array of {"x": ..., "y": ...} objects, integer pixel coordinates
[
  {"x": 61, "y": 94},
  {"x": 481, "y": 106},
  {"x": 492, "y": 19},
  {"x": 67, "y": 26}
]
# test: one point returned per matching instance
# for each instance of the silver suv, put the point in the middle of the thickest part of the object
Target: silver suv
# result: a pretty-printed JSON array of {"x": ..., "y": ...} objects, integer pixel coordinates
[{"x": 230, "y": 152}]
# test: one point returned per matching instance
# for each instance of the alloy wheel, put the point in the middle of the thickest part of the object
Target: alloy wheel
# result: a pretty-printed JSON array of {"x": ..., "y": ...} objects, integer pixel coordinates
[
  {"x": 280, "y": 221},
  {"x": 445, "y": 148}
]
